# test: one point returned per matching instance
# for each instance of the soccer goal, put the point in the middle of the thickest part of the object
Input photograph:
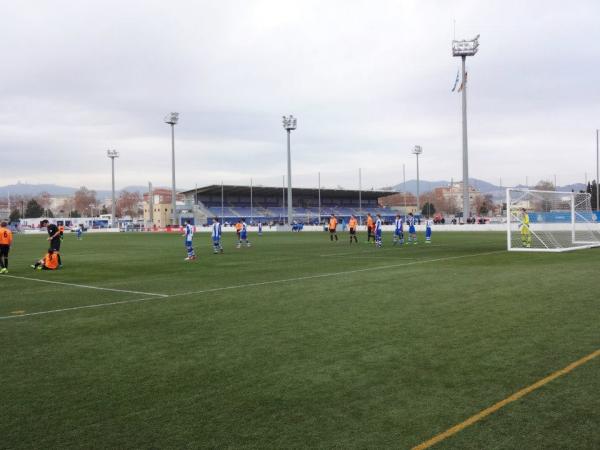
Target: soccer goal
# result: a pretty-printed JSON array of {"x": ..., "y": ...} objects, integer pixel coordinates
[{"x": 550, "y": 221}]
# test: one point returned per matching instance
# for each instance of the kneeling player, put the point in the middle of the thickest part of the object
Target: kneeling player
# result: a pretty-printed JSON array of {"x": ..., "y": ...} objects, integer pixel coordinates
[{"x": 48, "y": 262}]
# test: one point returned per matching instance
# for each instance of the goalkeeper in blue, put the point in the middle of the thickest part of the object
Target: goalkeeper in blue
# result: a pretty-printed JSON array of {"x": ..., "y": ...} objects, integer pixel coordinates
[
  {"x": 243, "y": 235},
  {"x": 378, "y": 230},
  {"x": 428, "y": 225},
  {"x": 216, "y": 236},
  {"x": 398, "y": 230},
  {"x": 189, "y": 235}
]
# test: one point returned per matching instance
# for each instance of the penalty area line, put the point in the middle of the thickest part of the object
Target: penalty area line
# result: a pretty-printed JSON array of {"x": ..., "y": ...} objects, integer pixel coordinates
[
  {"x": 74, "y": 308},
  {"x": 249, "y": 285},
  {"x": 513, "y": 398},
  {"x": 84, "y": 286}
]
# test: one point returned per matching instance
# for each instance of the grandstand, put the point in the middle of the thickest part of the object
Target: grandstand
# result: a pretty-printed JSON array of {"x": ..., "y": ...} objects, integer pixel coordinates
[{"x": 267, "y": 203}]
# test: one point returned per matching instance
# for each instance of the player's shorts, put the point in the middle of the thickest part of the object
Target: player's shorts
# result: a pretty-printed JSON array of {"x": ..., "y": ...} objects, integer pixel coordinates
[
  {"x": 243, "y": 236},
  {"x": 378, "y": 234},
  {"x": 4, "y": 249},
  {"x": 188, "y": 243},
  {"x": 427, "y": 232},
  {"x": 398, "y": 232},
  {"x": 332, "y": 230},
  {"x": 55, "y": 244},
  {"x": 352, "y": 231},
  {"x": 412, "y": 229},
  {"x": 216, "y": 239}
]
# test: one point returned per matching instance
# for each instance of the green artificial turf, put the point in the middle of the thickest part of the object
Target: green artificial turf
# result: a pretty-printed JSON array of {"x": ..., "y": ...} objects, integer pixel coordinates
[{"x": 297, "y": 342}]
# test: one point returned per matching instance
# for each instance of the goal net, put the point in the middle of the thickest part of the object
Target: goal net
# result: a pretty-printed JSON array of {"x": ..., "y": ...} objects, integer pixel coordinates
[{"x": 550, "y": 221}]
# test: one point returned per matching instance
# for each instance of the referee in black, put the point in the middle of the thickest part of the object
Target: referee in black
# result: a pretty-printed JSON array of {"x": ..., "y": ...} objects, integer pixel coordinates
[{"x": 53, "y": 237}]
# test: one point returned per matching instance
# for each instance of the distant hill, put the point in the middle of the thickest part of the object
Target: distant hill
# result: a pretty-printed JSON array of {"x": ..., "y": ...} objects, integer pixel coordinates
[
  {"x": 426, "y": 186},
  {"x": 483, "y": 186},
  {"x": 411, "y": 186},
  {"x": 54, "y": 189}
]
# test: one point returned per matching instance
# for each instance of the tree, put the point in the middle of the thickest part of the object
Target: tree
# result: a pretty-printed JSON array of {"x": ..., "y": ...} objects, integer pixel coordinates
[
  {"x": 428, "y": 209},
  {"x": 127, "y": 204},
  {"x": 74, "y": 213},
  {"x": 44, "y": 199},
  {"x": 84, "y": 199},
  {"x": 104, "y": 210},
  {"x": 544, "y": 185},
  {"x": 33, "y": 209},
  {"x": 15, "y": 216},
  {"x": 487, "y": 205}
]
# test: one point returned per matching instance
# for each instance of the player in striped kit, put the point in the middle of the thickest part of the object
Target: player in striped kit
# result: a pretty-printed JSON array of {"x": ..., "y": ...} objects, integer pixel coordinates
[
  {"x": 412, "y": 232},
  {"x": 189, "y": 235},
  {"x": 378, "y": 224},
  {"x": 243, "y": 235},
  {"x": 216, "y": 236},
  {"x": 399, "y": 230},
  {"x": 428, "y": 225}
]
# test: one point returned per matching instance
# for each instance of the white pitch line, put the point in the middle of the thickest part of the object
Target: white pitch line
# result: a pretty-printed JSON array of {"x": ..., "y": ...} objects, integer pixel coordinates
[
  {"x": 249, "y": 285},
  {"x": 81, "y": 307},
  {"x": 85, "y": 286}
]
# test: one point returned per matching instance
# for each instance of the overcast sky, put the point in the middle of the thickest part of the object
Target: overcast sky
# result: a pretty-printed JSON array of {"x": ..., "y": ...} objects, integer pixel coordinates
[{"x": 367, "y": 80}]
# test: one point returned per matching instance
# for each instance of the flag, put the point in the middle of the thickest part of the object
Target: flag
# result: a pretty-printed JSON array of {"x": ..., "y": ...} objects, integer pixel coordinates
[
  {"x": 455, "y": 82},
  {"x": 462, "y": 85}
]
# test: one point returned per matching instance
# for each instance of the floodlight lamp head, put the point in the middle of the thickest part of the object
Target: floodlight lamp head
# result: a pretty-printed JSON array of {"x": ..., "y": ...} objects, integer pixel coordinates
[
  {"x": 417, "y": 150},
  {"x": 172, "y": 118},
  {"x": 465, "y": 48},
  {"x": 112, "y": 153},
  {"x": 290, "y": 123}
]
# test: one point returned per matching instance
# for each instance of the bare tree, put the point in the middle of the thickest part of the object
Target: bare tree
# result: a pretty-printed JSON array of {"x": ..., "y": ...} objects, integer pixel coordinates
[
  {"x": 127, "y": 204},
  {"x": 544, "y": 185},
  {"x": 85, "y": 200}
]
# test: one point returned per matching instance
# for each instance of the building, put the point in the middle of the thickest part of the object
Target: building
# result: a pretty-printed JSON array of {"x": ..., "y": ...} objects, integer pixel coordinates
[
  {"x": 158, "y": 209},
  {"x": 402, "y": 202},
  {"x": 268, "y": 204},
  {"x": 449, "y": 199}
]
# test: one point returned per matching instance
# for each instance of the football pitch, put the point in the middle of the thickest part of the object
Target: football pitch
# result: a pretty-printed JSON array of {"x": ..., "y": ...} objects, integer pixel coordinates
[{"x": 298, "y": 342}]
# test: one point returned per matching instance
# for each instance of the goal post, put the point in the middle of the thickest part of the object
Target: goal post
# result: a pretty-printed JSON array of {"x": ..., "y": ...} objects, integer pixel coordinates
[{"x": 550, "y": 221}]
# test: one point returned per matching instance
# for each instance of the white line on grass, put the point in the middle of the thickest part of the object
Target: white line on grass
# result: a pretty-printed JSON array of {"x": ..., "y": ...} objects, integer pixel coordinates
[
  {"x": 85, "y": 286},
  {"x": 249, "y": 285}
]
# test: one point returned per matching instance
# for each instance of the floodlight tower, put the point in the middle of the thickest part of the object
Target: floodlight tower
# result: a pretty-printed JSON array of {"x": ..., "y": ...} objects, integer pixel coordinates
[
  {"x": 289, "y": 124},
  {"x": 463, "y": 49},
  {"x": 417, "y": 151},
  {"x": 112, "y": 154},
  {"x": 172, "y": 120}
]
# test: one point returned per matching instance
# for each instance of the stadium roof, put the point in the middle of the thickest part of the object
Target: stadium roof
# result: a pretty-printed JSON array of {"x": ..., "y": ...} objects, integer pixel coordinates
[{"x": 215, "y": 189}]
